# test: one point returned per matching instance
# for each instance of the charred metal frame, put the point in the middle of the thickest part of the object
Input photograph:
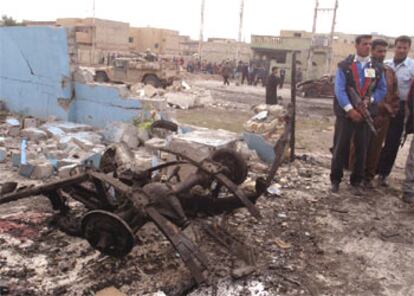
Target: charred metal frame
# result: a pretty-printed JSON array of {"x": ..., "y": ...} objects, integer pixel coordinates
[{"x": 120, "y": 204}]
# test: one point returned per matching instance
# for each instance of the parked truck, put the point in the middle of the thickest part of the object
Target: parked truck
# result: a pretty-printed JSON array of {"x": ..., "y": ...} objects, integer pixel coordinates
[{"x": 133, "y": 70}]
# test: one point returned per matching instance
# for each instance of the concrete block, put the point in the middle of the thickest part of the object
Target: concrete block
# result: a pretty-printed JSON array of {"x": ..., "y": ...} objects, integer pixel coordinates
[
  {"x": 16, "y": 157},
  {"x": 181, "y": 100},
  {"x": 42, "y": 170},
  {"x": 83, "y": 143},
  {"x": 3, "y": 154},
  {"x": 155, "y": 144},
  {"x": 34, "y": 134},
  {"x": 53, "y": 131},
  {"x": 64, "y": 171},
  {"x": 143, "y": 160},
  {"x": 26, "y": 170},
  {"x": 29, "y": 122},
  {"x": 199, "y": 144},
  {"x": 117, "y": 132},
  {"x": 150, "y": 91}
]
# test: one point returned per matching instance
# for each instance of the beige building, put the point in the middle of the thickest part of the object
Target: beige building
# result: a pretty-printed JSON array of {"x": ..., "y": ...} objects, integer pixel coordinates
[
  {"x": 277, "y": 50},
  {"x": 160, "y": 41},
  {"x": 216, "y": 50},
  {"x": 97, "y": 38}
]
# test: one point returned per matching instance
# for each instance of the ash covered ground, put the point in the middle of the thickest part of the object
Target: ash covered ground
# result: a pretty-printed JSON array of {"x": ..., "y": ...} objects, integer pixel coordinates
[{"x": 309, "y": 241}]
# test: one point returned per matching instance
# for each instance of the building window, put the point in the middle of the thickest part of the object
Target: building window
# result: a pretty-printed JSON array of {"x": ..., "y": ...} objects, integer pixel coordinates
[
  {"x": 156, "y": 45},
  {"x": 131, "y": 39},
  {"x": 297, "y": 35}
]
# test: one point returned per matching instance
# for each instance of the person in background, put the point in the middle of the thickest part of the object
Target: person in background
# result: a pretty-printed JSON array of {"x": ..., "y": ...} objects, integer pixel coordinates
[
  {"x": 226, "y": 72},
  {"x": 271, "y": 87},
  {"x": 403, "y": 67},
  {"x": 282, "y": 74},
  {"x": 245, "y": 73},
  {"x": 408, "y": 185}
]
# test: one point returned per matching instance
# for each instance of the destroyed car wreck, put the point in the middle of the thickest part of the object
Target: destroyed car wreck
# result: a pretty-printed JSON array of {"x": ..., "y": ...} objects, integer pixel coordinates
[
  {"x": 118, "y": 202},
  {"x": 317, "y": 88}
]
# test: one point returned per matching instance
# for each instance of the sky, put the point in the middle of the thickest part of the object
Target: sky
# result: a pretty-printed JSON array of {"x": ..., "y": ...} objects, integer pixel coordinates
[{"x": 261, "y": 17}]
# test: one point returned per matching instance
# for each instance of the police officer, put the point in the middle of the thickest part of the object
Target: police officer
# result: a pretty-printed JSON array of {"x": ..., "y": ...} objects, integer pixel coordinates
[{"x": 366, "y": 77}]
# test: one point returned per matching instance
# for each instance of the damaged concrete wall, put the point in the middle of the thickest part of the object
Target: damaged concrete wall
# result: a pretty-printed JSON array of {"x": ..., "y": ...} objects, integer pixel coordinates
[
  {"x": 36, "y": 79},
  {"x": 97, "y": 105},
  {"x": 34, "y": 70}
]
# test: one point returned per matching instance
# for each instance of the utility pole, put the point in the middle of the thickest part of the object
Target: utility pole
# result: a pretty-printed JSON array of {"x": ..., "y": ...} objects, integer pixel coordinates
[
  {"x": 239, "y": 40},
  {"x": 200, "y": 42},
  {"x": 311, "y": 50},
  {"x": 93, "y": 34},
  {"x": 331, "y": 37}
]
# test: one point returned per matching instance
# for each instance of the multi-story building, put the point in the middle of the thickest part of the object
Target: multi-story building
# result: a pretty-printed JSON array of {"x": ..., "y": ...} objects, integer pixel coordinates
[
  {"x": 217, "y": 50},
  {"x": 160, "y": 41},
  {"x": 313, "y": 53},
  {"x": 97, "y": 38},
  {"x": 278, "y": 51}
]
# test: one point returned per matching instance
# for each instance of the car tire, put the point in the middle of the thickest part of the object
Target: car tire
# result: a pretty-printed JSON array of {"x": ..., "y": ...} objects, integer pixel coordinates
[{"x": 152, "y": 80}]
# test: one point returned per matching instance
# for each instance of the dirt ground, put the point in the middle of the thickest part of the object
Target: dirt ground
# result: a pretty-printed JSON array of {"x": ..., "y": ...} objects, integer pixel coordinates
[{"x": 309, "y": 242}]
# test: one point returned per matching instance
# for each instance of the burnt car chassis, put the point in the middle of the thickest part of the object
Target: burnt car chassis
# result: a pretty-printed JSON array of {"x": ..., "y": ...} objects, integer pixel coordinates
[{"x": 120, "y": 203}]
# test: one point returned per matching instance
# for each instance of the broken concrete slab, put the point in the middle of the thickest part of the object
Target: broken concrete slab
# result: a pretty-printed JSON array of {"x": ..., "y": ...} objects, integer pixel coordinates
[
  {"x": 42, "y": 170},
  {"x": 34, "y": 134},
  {"x": 53, "y": 131},
  {"x": 199, "y": 144},
  {"x": 65, "y": 171},
  {"x": 84, "y": 140},
  {"x": 143, "y": 160},
  {"x": 181, "y": 100},
  {"x": 68, "y": 127},
  {"x": 155, "y": 144},
  {"x": 117, "y": 132},
  {"x": 150, "y": 91}
]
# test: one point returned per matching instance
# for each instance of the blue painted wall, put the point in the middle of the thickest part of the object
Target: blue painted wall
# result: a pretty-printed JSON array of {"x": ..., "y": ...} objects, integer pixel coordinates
[
  {"x": 34, "y": 70},
  {"x": 98, "y": 105},
  {"x": 35, "y": 79}
]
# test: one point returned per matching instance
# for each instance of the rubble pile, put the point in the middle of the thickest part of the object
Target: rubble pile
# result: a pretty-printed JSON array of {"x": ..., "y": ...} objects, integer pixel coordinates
[
  {"x": 179, "y": 95},
  {"x": 40, "y": 150},
  {"x": 268, "y": 121}
]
